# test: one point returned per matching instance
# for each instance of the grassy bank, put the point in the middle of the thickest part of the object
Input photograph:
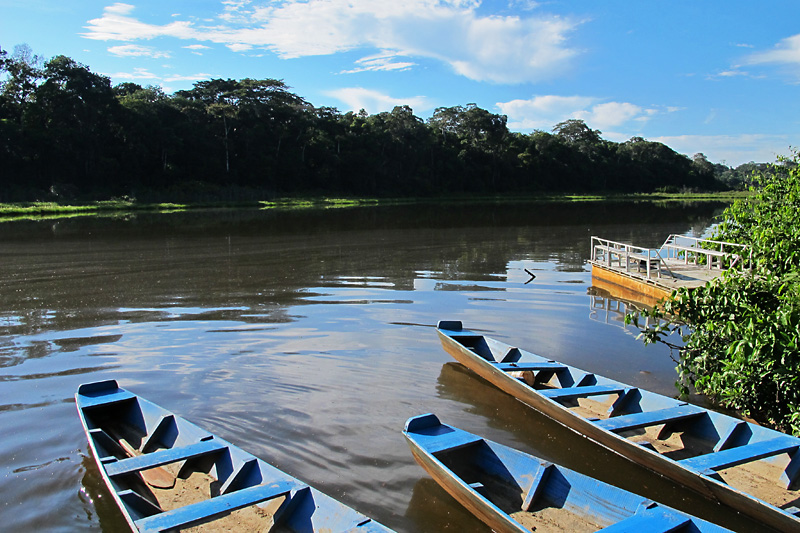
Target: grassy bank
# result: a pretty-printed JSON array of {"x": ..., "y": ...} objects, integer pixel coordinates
[{"x": 48, "y": 210}]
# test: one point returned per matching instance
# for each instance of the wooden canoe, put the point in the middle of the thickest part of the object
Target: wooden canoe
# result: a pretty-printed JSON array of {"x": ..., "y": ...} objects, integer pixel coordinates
[
  {"x": 749, "y": 468},
  {"x": 166, "y": 473},
  {"x": 513, "y": 492}
]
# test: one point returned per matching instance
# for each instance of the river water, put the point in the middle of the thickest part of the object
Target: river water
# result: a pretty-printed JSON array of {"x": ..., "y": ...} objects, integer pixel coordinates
[{"x": 308, "y": 338}]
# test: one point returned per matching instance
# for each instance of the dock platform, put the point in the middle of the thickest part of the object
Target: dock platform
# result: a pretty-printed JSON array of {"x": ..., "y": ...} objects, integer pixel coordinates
[{"x": 653, "y": 273}]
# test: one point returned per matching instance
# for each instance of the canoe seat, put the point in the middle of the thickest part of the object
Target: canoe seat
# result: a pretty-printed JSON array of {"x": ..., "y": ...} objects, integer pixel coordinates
[
  {"x": 711, "y": 462},
  {"x": 655, "y": 520},
  {"x": 88, "y": 401},
  {"x": 212, "y": 507},
  {"x": 580, "y": 392},
  {"x": 533, "y": 367},
  {"x": 450, "y": 442},
  {"x": 650, "y": 418},
  {"x": 537, "y": 482},
  {"x": 162, "y": 457}
]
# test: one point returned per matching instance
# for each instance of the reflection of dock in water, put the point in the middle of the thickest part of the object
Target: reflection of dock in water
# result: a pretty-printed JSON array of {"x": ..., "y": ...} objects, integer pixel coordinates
[
  {"x": 610, "y": 309},
  {"x": 651, "y": 274}
]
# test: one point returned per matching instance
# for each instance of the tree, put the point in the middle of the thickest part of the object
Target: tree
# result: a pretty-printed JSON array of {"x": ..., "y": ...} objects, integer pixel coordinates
[
  {"x": 23, "y": 70},
  {"x": 476, "y": 138},
  {"x": 576, "y": 132},
  {"x": 589, "y": 151},
  {"x": 20, "y": 74},
  {"x": 73, "y": 120}
]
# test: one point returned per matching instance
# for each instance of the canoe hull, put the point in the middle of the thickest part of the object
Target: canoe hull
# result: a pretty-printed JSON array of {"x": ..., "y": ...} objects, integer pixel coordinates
[{"x": 650, "y": 459}]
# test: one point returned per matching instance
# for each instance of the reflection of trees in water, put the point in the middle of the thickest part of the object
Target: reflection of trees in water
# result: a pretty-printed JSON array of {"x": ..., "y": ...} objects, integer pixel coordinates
[{"x": 246, "y": 263}]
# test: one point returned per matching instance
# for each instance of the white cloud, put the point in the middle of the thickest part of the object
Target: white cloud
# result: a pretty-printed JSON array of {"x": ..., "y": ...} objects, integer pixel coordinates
[
  {"x": 612, "y": 114},
  {"x": 543, "y": 112},
  {"x": 134, "y": 50},
  {"x": 787, "y": 51},
  {"x": 527, "y": 5},
  {"x": 196, "y": 49},
  {"x": 503, "y": 49},
  {"x": 384, "y": 62},
  {"x": 357, "y": 98},
  {"x": 732, "y": 73},
  {"x": 733, "y": 150},
  {"x": 188, "y": 77},
  {"x": 137, "y": 74},
  {"x": 116, "y": 25},
  {"x": 144, "y": 74},
  {"x": 239, "y": 47}
]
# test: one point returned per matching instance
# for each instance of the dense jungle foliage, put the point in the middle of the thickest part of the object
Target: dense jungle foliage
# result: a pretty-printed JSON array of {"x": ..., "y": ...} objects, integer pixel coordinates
[
  {"x": 66, "y": 133},
  {"x": 741, "y": 333}
]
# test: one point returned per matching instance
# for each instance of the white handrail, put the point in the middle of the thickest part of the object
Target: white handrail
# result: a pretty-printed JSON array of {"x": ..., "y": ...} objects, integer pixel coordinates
[
  {"x": 676, "y": 247},
  {"x": 683, "y": 247},
  {"x": 612, "y": 253}
]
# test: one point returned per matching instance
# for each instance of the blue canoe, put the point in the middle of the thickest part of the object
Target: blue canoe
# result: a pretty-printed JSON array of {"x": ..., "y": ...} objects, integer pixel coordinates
[
  {"x": 166, "y": 473},
  {"x": 747, "y": 467},
  {"x": 513, "y": 492}
]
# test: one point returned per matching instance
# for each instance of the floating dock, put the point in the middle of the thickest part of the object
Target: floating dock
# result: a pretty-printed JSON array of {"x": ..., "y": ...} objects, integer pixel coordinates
[{"x": 649, "y": 275}]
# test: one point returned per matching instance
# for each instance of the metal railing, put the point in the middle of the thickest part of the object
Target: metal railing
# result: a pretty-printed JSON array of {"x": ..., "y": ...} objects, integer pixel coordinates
[
  {"x": 714, "y": 254},
  {"x": 627, "y": 256}
]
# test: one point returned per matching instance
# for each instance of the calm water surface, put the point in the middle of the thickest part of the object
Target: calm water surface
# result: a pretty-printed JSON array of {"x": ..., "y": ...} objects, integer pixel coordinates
[{"x": 308, "y": 339}]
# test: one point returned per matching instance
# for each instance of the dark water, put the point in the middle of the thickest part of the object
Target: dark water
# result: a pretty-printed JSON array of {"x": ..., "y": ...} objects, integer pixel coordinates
[{"x": 308, "y": 339}]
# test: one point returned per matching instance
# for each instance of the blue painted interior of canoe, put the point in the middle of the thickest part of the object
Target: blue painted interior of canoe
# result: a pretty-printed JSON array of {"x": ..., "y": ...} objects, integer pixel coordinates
[{"x": 164, "y": 438}]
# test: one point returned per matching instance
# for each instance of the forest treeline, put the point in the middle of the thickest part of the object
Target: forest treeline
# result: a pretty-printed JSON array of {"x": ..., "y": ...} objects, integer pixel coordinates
[{"x": 67, "y": 133}]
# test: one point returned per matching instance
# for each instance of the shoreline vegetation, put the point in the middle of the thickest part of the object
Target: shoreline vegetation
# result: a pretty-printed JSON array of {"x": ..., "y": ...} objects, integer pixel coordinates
[
  {"x": 68, "y": 135},
  {"x": 50, "y": 210}
]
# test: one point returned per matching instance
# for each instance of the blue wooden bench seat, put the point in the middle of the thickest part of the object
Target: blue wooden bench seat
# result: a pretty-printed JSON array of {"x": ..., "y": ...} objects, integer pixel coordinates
[
  {"x": 580, "y": 392},
  {"x": 657, "y": 520},
  {"x": 534, "y": 367},
  {"x": 650, "y": 418},
  {"x": 532, "y": 492},
  {"x": 730, "y": 457},
  {"x": 454, "y": 441},
  {"x": 89, "y": 400},
  {"x": 162, "y": 457},
  {"x": 212, "y": 507},
  {"x": 427, "y": 429}
]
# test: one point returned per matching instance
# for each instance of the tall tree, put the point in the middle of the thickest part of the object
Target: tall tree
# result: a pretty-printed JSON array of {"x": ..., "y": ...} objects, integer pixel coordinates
[{"x": 75, "y": 115}]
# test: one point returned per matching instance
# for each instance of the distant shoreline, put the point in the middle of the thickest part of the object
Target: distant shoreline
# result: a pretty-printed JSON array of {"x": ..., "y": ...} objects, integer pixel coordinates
[{"x": 51, "y": 210}]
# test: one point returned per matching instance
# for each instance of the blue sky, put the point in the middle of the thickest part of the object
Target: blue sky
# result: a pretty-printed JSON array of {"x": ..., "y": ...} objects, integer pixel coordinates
[{"x": 711, "y": 76}]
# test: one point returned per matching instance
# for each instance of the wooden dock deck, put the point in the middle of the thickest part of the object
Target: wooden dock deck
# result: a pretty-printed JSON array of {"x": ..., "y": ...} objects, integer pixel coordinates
[{"x": 649, "y": 275}]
